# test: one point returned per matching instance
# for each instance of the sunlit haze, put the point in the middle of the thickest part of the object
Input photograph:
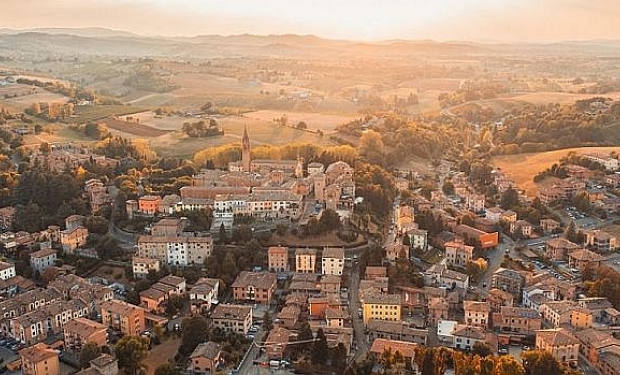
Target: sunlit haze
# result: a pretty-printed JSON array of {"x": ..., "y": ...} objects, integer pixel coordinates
[{"x": 476, "y": 20}]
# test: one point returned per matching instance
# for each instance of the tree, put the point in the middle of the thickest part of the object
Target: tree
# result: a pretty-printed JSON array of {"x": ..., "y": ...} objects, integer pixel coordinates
[
  {"x": 330, "y": 220},
  {"x": 267, "y": 322},
  {"x": 223, "y": 235},
  {"x": 509, "y": 199},
  {"x": 174, "y": 305},
  {"x": 538, "y": 362},
  {"x": 89, "y": 352},
  {"x": 131, "y": 351},
  {"x": 448, "y": 188},
  {"x": 319, "y": 348},
  {"x": 167, "y": 369},
  {"x": 339, "y": 358},
  {"x": 481, "y": 349},
  {"x": 506, "y": 365},
  {"x": 195, "y": 331},
  {"x": 371, "y": 146}
]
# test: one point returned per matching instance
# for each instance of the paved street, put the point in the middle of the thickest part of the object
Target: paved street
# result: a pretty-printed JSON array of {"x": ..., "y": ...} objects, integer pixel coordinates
[{"x": 358, "y": 324}]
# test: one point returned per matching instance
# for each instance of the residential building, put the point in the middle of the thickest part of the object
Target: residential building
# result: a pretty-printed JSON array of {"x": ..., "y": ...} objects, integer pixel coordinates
[
  {"x": 73, "y": 238},
  {"x": 7, "y": 270},
  {"x": 149, "y": 204},
  {"x": 440, "y": 275},
  {"x": 123, "y": 317},
  {"x": 438, "y": 309},
  {"x": 39, "y": 359},
  {"x": 610, "y": 163},
  {"x": 143, "y": 266},
  {"x": 382, "y": 307},
  {"x": 288, "y": 316},
  {"x": 406, "y": 349},
  {"x": 232, "y": 318},
  {"x": 206, "y": 358},
  {"x": 399, "y": 331},
  {"x": 475, "y": 202},
  {"x": 278, "y": 258},
  {"x": 336, "y": 317},
  {"x": 458, "y": 254},
  {"x": 521, "y": 228},
  {"x": 81, "y": 331},
  {"x": 477, "y": 313},
  {"x": 181, "y": 250},
  {"x": 254, "y": 286},
  {"x": 40, "y": 260},
  {"x": 498, "y": 298},
  {"x": 373, "y": 272},
  {"x": 418, "y": 239},
  {"x": 509, "y": 281},
  {"x": 596, "y": 305},
  {"x": 601, "y": 349},
  {"x": 333, "y": 261},
  {"x": 205, "y": 292},
  {"x": 549, "y": 225},
  {"x": 561, "y": 344},
  {"x": 600, "y": 241},
  {"x": 561, "y": 313},
  {"x": 47, "y": 321},
  {"x": 153, "y": 300},
  {"x": 584, "y": 260},
  {"x": 508, "y": 216},
  {"x": 305, "y": 260},
  {"x": 466, "y": 336},
  {"x": 178, "y": 283},
  {"x": 493, "y": 214},
  {"x": 559, "y": 248},
  {"x": 517, "y": 320},
  {"x": 105, "y": 364},
  {"x": 276, "y": 343},
  {"x": 483, "y": 239},
  {"x": 395, "y": 251}
]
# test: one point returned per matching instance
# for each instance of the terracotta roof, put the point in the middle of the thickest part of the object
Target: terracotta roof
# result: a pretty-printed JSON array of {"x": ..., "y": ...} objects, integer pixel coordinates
[
  {"x": 42, "y": 253},
  {"x": 209, "y": 350},
  {"x": 333, "y": 252},
  {"x": 259, "y": 280},
  {"x": 472, "y": 332},
  {"x": 585, "y": 255},
  {"x": 236, "y": 312},
  {"x": 476, "y": 306},
  {"x": 83, "y": 326},
  {"x": 557, "y": 337},
  {"x": 382, "y": 299},
  {"x": 406, "y": 349},
  {"x": 37, "y": 353}
]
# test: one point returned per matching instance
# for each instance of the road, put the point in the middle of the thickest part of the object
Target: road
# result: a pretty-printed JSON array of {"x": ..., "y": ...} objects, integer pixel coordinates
[
  {"x": 495, "y": 259},
  {"x": 358, "y": 323}
]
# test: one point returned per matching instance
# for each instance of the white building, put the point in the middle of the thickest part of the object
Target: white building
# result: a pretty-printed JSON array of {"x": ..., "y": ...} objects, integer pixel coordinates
[
  {"x": 333, "y": 261},
  {"x": 7, "y": 270},
  {"x": 418, "y": 239},
  {"x": 142, "y": 266},
  {"x": 40, "y": 260}
]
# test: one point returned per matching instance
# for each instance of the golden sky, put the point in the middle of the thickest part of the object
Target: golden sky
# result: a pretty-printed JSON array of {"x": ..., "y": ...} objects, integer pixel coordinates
[{"x": 469, "y": 20}]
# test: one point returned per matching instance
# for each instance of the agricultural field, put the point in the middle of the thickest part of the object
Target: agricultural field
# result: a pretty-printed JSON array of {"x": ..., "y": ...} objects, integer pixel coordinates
[
  {"x": 523, "y": 167},
  {"x": 315, "y": 121},
  {"x": 19, "y": 97},
  {"x": 84, "y": 114},
  {"x": 133, "y": 127},
  {"x": 55, "y": 133},
  {"x": 165, "y": 136}
]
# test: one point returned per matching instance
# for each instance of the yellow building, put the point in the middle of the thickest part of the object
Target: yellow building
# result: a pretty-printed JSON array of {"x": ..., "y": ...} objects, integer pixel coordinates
[
  {"x": 305, "y": 261},
  {"x": 581, "y": 318},
  {"x": 39, "y": 359},
  {"x": 382, "y": 307}
]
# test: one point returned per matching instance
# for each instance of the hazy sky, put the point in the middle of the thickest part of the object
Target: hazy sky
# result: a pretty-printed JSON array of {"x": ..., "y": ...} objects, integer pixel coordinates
[{"x": 483, "y": 20}]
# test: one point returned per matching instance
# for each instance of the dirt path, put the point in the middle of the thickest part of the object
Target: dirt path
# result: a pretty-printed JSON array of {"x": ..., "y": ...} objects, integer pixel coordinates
[{"x": 162, "y": 353}]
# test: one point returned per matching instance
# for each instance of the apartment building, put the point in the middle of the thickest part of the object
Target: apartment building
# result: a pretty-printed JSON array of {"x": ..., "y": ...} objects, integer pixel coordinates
[
  {"x": 40, "y": 260},
  {"x": 477, "y": 313},
  {"x": 305, "y": 260},
  {"x": 142, "y": 266},
  {"x": 333, "y": 261},
  {"x": 7, "y": 270},
  {"x": 458, "y": 254},
  {"x": 560, "y": 343},
  {"x": 232, "y": 318},
  {"x": 509, "y": 281},
  {"x": 123, "y": 317},
  {"x": 254, "y": 286},
  {"x": 39, "y": 359},
  {"x": 381, "y": 307},
  {"x": 81, "y": 331},
  {"x": 277, "y": 257},
  {"x": 517, "y": 320}
]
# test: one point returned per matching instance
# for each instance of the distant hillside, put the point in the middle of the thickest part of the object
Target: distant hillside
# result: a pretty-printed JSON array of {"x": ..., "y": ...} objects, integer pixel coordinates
[{"x": 99, "y": 41}]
